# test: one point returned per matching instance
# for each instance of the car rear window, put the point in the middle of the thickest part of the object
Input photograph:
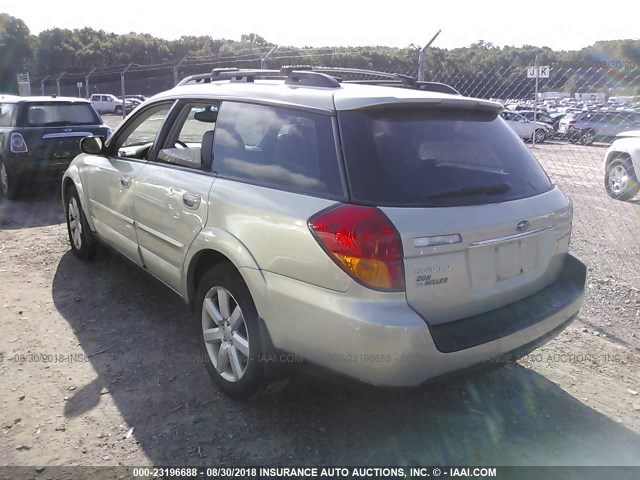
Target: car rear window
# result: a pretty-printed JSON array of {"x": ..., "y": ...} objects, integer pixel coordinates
[
  {"x": 423, "y": 157},
  {"x": 58, "y": 114}
]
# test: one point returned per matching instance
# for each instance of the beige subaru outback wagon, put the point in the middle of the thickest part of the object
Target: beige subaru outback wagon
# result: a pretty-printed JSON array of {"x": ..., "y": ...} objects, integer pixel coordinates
[{"x": 391, "y": 231}]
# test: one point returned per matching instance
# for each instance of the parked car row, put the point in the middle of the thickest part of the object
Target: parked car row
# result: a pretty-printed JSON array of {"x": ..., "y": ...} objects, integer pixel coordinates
[
  {"x": 584, "y": 126},
  {"x": 588, "y": 127}
]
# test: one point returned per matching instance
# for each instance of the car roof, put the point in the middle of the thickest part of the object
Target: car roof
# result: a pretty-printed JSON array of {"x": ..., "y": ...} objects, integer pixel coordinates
[
  {"x": 348, "y": 96},
  {"x": 17, "y": 99}
]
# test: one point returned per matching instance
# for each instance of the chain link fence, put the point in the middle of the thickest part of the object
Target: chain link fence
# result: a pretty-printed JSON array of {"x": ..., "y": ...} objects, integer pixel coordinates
[{"x": 603, "y": 100}]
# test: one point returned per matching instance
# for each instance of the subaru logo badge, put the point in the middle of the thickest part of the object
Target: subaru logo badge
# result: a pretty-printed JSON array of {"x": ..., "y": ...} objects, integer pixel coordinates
[{"x": 522, "y": 226}]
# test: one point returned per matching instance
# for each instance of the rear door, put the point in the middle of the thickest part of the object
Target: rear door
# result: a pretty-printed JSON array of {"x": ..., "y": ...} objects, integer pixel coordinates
[
  {"x": 110, "y": 179},
  {"x": 481, "y": 225},
  {"x": 172, "y": 191}
]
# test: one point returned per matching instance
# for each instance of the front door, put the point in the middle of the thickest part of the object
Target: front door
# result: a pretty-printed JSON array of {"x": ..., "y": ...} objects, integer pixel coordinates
[{"x": 111, "y": 178}]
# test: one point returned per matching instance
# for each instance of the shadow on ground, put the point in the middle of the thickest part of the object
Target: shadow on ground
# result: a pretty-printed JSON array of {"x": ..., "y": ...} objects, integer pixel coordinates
[
  {"x": 37, "y": 206},
  {"x": 141, "y": 346}
]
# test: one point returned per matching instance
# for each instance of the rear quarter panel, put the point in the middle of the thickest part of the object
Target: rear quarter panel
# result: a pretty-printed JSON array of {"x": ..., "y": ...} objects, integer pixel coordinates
[{"x": 272, "y": 227}]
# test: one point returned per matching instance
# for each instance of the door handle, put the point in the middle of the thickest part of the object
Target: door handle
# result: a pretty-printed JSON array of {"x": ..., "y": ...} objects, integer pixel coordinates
[
  {"x": 125, "y": 181},
  {"x": 191, "y": 200}
]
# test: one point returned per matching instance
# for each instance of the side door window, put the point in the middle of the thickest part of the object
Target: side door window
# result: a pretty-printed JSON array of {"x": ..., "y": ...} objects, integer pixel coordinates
[
  {"x": 277, "y": 147},
  {"x": 190, "y": 141},
  {"x": 137, "y": 138}
]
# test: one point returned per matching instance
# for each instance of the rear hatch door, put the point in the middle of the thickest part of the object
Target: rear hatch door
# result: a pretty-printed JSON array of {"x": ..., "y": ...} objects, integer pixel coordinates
[{"x": 480, "y": 222}]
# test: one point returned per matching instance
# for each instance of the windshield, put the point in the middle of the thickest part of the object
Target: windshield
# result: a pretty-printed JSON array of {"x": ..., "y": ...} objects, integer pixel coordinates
[
  {"x": 427, "y": 157},
  {"x": 56, "y": 114}
]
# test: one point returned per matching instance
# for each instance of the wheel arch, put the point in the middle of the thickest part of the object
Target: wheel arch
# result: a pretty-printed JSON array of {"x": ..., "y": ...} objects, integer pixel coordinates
[
  {"x": 214, "y": 246},
  {"x": 72, "y": 178},
  {"x": 611, "y": 156}
]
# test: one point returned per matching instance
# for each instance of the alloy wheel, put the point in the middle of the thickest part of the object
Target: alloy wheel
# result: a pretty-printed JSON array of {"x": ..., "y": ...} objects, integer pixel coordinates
[
  {"x": 618, "y": 179},
  {"x": 225, "y": 334},
  {"x": 75, "y": 224},
  {"x": 4, "y": 179}
]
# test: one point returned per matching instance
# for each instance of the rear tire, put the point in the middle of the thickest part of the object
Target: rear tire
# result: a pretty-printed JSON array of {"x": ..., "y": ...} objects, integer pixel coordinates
[
  {"x": 9, "y": 185},
  {"x": 586, "y": 138},
  {"x": 620, "y": 179},
  {"x": 83, "y": 243},
  {"x": 229, "y": 334}
]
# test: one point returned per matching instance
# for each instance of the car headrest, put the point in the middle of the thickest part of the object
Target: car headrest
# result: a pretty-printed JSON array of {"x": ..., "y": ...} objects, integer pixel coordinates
[
  {"x": 206, "y": 150},
  {"x": 37, "y": 116}
]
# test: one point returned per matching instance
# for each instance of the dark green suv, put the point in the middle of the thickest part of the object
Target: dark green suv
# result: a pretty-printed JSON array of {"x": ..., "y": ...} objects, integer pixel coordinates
[{"x": 39, "y": 136}]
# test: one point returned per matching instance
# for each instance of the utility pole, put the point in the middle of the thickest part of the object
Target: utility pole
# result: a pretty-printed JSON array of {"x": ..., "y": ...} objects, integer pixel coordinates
[
  {"x": 422, "y": 59},
  {"x": 58, "y": 81},
  {"x": 535, "y": 102},
  {"x": 176, "y": 68},
  {"x": 124, "y": 103},
  {"x": 86, "y": 81}
]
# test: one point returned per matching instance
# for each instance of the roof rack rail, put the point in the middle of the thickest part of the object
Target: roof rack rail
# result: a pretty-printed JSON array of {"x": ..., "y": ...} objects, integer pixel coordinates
[
  {"x": 394, "y": 79},
  {"x": 306, "y": 75},
  {"x": 295, "y": 75}
]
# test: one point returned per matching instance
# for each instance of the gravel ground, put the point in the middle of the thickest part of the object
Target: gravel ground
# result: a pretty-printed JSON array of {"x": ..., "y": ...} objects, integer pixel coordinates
[{"x": 97, "y": 367}]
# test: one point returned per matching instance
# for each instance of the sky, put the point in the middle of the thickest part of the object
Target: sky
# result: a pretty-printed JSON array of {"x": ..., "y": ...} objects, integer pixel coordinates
[{"x": 561, "y": 25}]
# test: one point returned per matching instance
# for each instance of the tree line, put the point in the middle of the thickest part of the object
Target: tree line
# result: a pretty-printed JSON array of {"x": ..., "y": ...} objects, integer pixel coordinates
[{"x": 481, "y": 69}]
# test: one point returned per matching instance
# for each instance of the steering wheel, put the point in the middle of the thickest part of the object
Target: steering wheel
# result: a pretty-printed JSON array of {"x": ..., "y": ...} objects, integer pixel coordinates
[{"x": 182, "y": 144}]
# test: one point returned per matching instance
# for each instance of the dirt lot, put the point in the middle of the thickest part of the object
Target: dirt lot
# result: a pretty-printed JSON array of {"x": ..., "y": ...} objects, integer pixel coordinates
[{"x": 96, "y": 367}]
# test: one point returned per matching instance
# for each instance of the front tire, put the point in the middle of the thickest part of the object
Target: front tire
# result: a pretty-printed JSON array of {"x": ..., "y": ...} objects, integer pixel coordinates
[
  {"x": 9, "y": 185},
  {"x": 229, "y": 333},
  {"x": 620, "y": 180},
  {"x": 540, "y": 135},
  {"x": 83, "y": 243},
  {"x": 118, "y": 110}
]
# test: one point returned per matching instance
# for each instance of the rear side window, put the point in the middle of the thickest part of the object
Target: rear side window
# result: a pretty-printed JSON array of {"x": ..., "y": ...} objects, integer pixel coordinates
[
  {"x": 58, "y": 114},
  {"x": 417, "y": 157},
  {"x": 6, "y": 114},
  {"x": 277, "y": 147}
]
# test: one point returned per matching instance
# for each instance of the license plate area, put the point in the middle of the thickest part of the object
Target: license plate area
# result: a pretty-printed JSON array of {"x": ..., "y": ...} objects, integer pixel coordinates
[{"x": 501, "y": 262}]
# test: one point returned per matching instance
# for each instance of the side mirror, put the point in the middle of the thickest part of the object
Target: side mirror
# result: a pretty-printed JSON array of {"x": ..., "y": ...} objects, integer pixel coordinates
[{"x": 91, "y": 145}]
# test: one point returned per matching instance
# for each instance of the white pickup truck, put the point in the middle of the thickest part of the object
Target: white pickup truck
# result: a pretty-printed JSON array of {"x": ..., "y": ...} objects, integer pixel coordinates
[{"x": 107, "y": 103}]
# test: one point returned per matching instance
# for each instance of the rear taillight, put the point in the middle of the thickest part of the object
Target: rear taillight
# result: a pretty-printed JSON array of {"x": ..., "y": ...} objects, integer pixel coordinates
[
  {"x": 18, "y": 145},
  {"x": 572, "y": 122},
  {"x": 364, "y": 243}
]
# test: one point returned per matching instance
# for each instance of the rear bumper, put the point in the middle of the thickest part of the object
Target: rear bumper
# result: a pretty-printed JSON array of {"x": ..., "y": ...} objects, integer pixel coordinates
[
  {"x": 384, "y": 342},
  {"x": 31, "y": 169}
]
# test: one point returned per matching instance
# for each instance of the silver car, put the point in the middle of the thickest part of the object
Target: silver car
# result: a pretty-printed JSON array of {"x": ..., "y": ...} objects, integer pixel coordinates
[{"x": 390, "y": 233}]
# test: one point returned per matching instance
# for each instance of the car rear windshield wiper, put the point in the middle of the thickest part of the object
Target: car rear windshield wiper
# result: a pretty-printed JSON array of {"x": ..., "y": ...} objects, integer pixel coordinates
[
  {"x": 495, "y": 189},
  {"x": 52, "y": 124}
]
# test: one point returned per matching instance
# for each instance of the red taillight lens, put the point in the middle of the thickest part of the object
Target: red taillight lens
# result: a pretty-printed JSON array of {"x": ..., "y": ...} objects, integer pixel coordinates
[
  {"x": 18, "y": 145},
  {"x": 572, "y": 122},
  {"x": 364, "y": 243}
]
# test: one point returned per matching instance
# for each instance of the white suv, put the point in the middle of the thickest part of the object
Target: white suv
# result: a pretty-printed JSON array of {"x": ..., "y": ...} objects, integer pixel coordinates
[
  {"x": 392, "y": 233},
  {"x": 106, "y": 103},
  {"x": 621, "y": 166}
]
